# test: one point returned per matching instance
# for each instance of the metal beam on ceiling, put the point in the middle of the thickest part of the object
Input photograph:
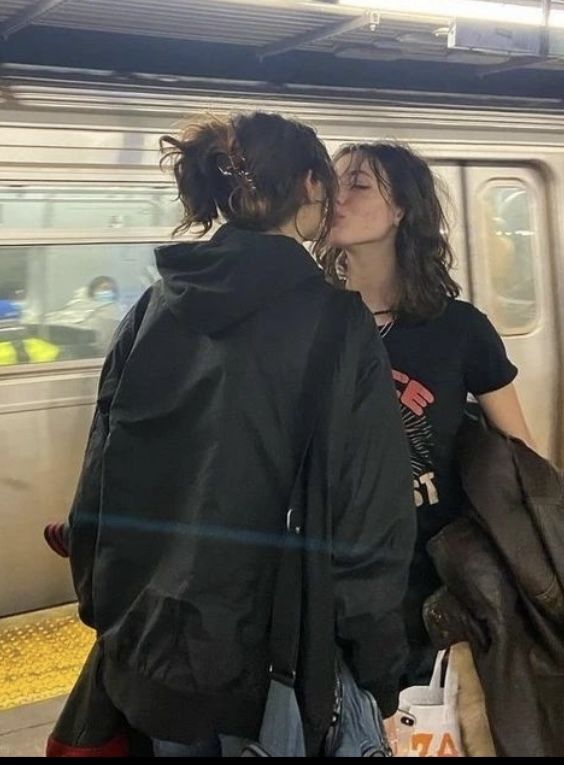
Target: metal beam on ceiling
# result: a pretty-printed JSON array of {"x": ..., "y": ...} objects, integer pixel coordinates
[
  {"x": 523, "y": 62},
  {"x": 369, "y": 19},
  {"x": 27, "y": 16}
]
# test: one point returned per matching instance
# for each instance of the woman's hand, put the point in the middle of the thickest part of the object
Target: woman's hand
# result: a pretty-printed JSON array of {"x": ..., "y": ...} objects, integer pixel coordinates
[{"x": 391, "y": 733}]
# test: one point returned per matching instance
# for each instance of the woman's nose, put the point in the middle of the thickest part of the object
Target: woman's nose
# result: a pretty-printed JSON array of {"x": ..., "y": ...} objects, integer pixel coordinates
[{"x": 340, "y": 199}]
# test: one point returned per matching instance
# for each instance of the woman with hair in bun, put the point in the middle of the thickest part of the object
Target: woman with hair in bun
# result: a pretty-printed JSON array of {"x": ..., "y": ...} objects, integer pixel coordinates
[{"x": 182, "y": 505}]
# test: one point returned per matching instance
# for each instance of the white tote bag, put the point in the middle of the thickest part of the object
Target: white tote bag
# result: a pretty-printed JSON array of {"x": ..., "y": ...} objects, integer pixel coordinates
[{"x": 427, "y": 722}]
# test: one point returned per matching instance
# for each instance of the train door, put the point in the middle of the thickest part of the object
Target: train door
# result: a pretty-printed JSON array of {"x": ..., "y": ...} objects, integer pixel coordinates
[
  {"x": 510, "y": 280},
  {"x": 449, "y": 177}
]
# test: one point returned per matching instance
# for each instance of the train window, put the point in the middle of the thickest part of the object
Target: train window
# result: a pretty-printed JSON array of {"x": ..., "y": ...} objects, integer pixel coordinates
[
  {"x": 81, "y": 208},
  {"x": 64, "y": 302},
  {"x": 511, "y": 242}
]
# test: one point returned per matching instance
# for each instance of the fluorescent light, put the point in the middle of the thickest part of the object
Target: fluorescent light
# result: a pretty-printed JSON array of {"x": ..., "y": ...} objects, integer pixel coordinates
[{"x": 462, "y": 9}]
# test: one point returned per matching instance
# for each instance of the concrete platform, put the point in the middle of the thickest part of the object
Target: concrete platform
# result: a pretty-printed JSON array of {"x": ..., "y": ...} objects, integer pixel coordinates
[{"x": 24, "y": 729}]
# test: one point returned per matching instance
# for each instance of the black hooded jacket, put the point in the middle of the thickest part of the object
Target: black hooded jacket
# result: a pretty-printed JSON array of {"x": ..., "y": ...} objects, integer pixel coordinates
[{"x": 182, "y": 501}]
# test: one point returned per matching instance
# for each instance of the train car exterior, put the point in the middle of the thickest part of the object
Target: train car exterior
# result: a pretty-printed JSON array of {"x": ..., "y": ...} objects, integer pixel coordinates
[{"x": 82, "y": 199}]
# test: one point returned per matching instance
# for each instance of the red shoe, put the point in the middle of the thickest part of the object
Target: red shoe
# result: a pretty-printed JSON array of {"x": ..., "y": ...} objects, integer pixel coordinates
[{"x": 56, "y": 537}]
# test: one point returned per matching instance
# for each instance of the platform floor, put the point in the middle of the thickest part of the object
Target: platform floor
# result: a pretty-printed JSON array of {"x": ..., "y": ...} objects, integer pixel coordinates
[
  {"x": 24, "y": 730},
  {"x": 41, "y": 654}
]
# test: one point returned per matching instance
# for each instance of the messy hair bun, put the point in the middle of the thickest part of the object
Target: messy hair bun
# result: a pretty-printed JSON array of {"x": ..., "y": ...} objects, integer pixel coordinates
[{"x": 249, "y": 169}]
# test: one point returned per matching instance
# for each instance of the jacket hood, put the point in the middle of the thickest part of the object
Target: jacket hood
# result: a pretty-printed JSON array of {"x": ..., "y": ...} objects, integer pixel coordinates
[{"x": 213, "y": 284}]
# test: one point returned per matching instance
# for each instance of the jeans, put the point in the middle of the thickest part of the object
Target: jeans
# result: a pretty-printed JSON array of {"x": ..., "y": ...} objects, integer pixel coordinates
[
  {"x": 210, "y": 747},
  {"x": 216, "y": 746}
]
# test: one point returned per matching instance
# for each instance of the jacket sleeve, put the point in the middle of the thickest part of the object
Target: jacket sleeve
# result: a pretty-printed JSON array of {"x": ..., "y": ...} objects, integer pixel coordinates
[
  {"x": 374, "y": 530},
  {"x": 84, "y": 512}
]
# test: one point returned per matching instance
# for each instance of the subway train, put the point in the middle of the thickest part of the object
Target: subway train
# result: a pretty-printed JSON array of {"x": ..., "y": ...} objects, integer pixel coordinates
[{"x": 83, "y": 204}]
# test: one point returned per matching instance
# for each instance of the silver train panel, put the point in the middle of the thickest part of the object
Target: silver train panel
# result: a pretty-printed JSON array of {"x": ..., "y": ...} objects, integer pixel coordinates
[{"x": 44, "y": 423}]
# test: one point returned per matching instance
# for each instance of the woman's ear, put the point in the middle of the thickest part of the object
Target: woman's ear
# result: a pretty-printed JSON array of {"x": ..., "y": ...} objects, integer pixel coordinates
[
  {"x": 314, "y": 192},
  {"x": 398, "y": 215}
]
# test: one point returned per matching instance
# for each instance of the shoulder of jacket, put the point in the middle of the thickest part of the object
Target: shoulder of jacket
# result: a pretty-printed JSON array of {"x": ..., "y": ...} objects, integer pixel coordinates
[
  {"x": 129, "y": 326},
  {"x": 359, "y": 327},
  {"x": 353, "y": 307}
]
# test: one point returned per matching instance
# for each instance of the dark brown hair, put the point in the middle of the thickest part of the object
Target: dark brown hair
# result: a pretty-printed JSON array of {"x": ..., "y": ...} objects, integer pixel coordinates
[
  {"x": 424, "y": 254},
  {"x": 250, "y": 168}
]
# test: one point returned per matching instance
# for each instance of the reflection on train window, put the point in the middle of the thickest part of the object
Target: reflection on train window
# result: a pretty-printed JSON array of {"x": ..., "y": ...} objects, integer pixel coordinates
[
  {"x": 511, "y": 241},
  {"x": 64, "y": 302},
  {"x": 86, "y": 208}
]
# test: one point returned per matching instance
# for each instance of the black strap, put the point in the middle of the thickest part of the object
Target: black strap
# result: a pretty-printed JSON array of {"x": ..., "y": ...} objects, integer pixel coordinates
[{"x": 287, "y": 606}]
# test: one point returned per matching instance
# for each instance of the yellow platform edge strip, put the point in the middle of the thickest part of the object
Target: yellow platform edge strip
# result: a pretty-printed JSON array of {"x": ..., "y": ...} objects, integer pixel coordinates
[{"x": 41, "y": 655}]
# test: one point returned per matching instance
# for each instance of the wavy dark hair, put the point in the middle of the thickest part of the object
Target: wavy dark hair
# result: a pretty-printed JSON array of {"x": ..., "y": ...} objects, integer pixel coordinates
[
  {"x": 423, "y": 251},
  {"x": 248, "y": 168}
]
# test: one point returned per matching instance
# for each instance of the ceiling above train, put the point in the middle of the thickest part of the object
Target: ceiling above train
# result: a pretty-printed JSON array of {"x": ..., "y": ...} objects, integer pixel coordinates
[{"x": 437, "y": 45}]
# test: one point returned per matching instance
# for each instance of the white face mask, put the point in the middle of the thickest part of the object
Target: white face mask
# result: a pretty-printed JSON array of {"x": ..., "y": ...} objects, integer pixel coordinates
[{"x": 104, "y": 296}]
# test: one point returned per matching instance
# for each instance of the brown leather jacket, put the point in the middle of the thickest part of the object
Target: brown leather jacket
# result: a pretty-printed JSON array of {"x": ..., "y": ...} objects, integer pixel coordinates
[{"x": 503, "y": 569}]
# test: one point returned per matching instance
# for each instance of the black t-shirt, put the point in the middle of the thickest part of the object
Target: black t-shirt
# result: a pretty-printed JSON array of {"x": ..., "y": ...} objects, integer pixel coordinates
[{"x": 436, "y": 364}]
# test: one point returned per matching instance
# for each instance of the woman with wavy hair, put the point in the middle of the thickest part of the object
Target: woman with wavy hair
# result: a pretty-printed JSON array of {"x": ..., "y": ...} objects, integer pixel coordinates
[{"x": 388, "y": 242}]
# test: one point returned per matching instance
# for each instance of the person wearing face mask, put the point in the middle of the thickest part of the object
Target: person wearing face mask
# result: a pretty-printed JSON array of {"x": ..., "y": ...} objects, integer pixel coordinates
[
  {"x": 107, "y": 311},
  {"x": 388, "y": 243},
  {"x": 103, "y": 290},
  {"x": 95, "y": 307}
]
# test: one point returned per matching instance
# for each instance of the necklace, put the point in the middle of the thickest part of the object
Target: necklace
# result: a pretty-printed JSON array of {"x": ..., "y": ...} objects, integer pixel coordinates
[{"x": 384, "y": 329}]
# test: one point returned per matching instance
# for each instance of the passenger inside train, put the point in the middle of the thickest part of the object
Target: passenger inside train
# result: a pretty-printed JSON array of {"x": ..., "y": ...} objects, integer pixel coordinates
[{"x": 96, "y": 307}]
